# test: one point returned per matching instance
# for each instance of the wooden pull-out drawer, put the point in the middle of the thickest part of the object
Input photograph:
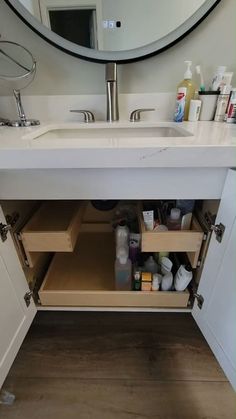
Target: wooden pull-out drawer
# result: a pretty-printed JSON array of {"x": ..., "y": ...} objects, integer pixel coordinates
[
  {"x": 86, "y": 278},
  {"x": 53, "y": 228},
  {"x": 189, "y": 241}
]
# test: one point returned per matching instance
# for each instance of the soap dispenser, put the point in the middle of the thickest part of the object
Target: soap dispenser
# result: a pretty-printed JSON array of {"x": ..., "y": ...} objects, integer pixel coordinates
[{"x": 190, "y": 88}]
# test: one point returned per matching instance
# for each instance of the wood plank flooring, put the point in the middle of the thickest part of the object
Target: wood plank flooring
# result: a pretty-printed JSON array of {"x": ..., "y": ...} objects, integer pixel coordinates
[{"x": 117, "y": 366}]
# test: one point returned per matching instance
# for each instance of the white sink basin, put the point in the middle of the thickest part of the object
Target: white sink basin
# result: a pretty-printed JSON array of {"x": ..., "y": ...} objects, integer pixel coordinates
[{"x": 106, "y": 131}]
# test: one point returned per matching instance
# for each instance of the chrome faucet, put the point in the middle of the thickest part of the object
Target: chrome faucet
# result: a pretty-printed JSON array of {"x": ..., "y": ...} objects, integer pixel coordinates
[{"x": 112, "y": 92}]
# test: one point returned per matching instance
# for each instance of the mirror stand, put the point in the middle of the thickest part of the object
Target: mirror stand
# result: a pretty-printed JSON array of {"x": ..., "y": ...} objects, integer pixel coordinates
[
  {"x": 22, "y": 121},
  {"x": 21, "y": 69}
]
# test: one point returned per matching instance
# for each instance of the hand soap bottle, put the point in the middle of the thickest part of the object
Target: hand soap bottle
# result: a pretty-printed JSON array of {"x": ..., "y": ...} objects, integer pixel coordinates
[{"x": 190, "y": 88}]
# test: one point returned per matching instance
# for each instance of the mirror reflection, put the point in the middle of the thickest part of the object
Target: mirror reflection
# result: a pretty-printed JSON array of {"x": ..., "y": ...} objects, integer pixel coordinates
[{"x": 112, "y": 25}]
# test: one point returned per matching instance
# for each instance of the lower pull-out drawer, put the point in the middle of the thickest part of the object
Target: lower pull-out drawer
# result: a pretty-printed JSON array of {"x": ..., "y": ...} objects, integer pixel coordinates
[{"x": 86, "y": 278}]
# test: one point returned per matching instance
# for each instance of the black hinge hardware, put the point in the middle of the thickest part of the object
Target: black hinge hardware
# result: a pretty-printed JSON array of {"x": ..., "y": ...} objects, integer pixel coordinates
[
  {"x": 219, "y": 230},
  {"x": 27, "y": 298},
  {"x": 4, "y": 228},
  {"x": 199, "y": 263},
  {"x": 200, "y": 299}
]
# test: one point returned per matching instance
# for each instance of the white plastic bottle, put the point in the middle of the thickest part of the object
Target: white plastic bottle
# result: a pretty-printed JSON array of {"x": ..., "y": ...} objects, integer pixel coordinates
[
  {"x": 182, "y": 278},
  {"x": 167, "y": 281},
  {"x": 194, "y": 110},
  {"x": 156, "y": 281},
  {"x": 123, "y": 271}
]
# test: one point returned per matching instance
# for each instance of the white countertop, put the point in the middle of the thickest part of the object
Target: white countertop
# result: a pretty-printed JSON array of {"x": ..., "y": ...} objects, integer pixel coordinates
[{"x": 212, "y": 144}]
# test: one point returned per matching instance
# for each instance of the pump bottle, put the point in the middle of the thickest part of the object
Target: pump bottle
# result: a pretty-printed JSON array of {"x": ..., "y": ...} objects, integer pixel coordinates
[{"x": 190, "y": 86}]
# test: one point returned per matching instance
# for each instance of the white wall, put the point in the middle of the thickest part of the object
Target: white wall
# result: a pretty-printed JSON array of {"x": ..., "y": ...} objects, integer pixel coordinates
[
  {"x": 135, "y": 15},
  {"x": 211, "y": 44},
  {"x": 32, "y": 6}
]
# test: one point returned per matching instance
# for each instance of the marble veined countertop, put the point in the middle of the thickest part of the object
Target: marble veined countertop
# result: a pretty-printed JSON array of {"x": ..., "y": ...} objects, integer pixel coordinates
[{"x": 209, "y": 144}]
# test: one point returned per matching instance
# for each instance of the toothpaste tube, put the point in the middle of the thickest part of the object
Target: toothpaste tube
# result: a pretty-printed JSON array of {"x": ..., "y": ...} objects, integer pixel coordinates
[{"x": 148, "y": 217}]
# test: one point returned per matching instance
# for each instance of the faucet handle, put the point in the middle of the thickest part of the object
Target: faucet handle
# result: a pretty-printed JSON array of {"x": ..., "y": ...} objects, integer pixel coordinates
[
  {"x": 88, "y": 115},
  {"x": 135, "y": 115}
]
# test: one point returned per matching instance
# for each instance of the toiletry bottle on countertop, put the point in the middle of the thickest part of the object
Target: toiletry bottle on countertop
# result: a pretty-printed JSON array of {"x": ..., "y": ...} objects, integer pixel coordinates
[
  {"x": 194, "y": 110},
  {"x": 231, "y": 108},
  {"x": 190, "y": 87},
  {"x": 231, "y": 115},
  {"x": 180, "y": 104},
  {"x": 218, "y": 77},
  {"x": 222, "y": 104}
]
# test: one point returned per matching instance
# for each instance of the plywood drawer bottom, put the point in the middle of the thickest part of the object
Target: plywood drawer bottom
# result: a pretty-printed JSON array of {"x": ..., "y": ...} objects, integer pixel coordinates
[{"x": 86, "y": 278}]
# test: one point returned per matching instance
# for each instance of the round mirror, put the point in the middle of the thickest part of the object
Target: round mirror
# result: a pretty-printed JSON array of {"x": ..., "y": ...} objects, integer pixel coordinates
[
  {"x": 17, "y": 67},
  {"x": 16, "y": 63},
  {"x": 113, "y": 30}
]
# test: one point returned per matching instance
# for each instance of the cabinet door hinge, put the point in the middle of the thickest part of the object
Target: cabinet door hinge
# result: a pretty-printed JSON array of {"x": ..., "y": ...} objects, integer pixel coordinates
[
  {"x": 200, "y": 299},
  {"x": 27, "y": 298},
  {"x": 219, "y": 230},
  {"x": 4, "y": 228},
  {"x": 199, "y": 263}
]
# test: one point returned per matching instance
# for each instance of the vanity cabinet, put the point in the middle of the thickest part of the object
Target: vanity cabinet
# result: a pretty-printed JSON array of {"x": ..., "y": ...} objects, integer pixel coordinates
[{"x": 82, "y": 279}]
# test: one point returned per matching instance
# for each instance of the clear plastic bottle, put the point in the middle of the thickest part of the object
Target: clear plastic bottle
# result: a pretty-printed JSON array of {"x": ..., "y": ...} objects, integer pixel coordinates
[
  {"x": 122, "y": 235},
  {"x": 151, "y": 265},
  {"x": 123, "y": 271}
]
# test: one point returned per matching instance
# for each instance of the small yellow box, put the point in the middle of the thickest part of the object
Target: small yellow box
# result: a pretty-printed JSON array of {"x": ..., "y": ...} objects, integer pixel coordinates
[
  {"x": 146, "y": 277},
  {"x": 146, "y": 282},
  {"x": 146, "y": 286}
]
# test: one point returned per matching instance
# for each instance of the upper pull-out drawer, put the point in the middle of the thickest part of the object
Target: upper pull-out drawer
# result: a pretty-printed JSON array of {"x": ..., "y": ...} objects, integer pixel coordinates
[
  {"x": 189, "y": 241},
  {"x": 54, "y": 227}
]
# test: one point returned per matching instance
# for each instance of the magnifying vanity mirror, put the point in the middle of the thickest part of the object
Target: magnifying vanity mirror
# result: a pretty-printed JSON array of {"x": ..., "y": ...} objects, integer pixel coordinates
[
  {"x": 17, "y": 68},
  {"x": 112, "y": 30}
]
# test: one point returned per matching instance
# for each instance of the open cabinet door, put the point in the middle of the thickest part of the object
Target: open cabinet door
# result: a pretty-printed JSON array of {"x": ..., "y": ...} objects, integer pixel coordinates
[
  {"x": 217, "y": 317},
  {"x": 15, "y": 315}
]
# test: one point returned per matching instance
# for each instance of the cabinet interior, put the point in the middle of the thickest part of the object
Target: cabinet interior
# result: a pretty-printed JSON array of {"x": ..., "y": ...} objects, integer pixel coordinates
[{"x": 67, "y": 252}]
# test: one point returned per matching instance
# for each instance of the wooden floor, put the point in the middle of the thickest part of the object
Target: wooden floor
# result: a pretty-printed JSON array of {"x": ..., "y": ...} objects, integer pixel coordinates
[{"x": 117, "y": 366}]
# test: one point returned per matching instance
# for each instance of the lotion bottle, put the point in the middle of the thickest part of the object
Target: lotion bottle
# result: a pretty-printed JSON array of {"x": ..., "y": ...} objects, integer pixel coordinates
[{"x": 190, "y": 88}]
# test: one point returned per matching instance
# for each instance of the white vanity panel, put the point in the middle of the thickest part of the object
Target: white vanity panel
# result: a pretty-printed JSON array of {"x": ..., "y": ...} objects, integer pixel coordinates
[{"x": 161, "y": 183}]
